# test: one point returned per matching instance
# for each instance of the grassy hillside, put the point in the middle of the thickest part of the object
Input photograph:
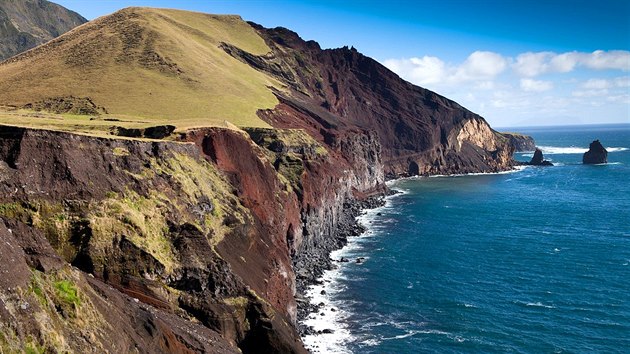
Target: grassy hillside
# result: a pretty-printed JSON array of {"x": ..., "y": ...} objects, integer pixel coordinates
[{"x": 143, "y": 66}]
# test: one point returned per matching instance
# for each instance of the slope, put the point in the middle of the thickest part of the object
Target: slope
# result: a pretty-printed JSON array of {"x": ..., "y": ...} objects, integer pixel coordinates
[
  {"x": 333, "y": 90},
  {"x": 146, "y": 66},
  {"x": 25, "y": 24}
]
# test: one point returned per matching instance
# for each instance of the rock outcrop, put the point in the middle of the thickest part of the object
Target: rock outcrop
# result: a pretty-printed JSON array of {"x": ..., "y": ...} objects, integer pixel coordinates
[
  {"x": 521, "y": 143},
  {"x": 596, "y": 154},
  {"x": 538, "y": 159},
  {"x": 25, "y": 24}
]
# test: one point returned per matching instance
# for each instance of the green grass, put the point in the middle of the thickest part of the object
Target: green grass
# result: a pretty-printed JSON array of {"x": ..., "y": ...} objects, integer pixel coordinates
[
  {"x": 140, "y": 219},
  {"x": 239, "y": 301},
  {"x": 14, "y": 211},
  {"x": 67, "y": 292},
  {"x": 118, "y": 151},
  {"x": 36, "y": 288},
  {"x": 33, "y": 349},
  {"x": 209, "y": 88}
]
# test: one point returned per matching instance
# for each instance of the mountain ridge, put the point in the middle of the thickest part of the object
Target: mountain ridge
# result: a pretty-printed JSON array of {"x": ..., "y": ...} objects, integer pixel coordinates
[{"x": 28, "y": 23}]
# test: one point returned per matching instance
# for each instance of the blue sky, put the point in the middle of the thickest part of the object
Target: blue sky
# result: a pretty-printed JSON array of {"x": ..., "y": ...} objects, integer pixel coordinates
[{"x": 517, "y": 63}]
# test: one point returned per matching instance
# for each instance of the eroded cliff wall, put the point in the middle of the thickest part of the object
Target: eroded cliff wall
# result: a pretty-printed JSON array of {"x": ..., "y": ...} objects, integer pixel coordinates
[{"x": 207, "y": 230}]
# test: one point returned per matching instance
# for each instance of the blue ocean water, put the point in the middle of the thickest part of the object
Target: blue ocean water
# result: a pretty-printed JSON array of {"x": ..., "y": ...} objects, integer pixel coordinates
[{"x": 534, "y": 261}]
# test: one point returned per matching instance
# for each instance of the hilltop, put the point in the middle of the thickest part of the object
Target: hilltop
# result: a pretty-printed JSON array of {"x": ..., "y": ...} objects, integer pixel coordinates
[
  {"x": 25, "y": 24},
  {"x": 146, "y": 66}
]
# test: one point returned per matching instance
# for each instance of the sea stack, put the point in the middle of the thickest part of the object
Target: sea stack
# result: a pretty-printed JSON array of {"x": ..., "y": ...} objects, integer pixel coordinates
[
  {"x": 596, "y": 154},
  {"x": 538, "y": 159}
]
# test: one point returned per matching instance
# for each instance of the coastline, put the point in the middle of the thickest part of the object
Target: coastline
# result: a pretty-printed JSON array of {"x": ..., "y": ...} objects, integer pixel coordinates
[
  {"x": 320, "y": 319},
  {"x": 319, "y": 316},
  {"x": 310, "y": 271}
]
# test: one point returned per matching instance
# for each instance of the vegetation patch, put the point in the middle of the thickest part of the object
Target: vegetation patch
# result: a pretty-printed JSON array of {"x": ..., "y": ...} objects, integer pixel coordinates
[
  {"x": 239, "y": 301},
  {"x": 14, "y": 211},
  {"x": 67, "y": 292},
  {"x": 287, "y": 149},
  {"x": 119, "y": 151},
  {"x": 138, "y": 218}
]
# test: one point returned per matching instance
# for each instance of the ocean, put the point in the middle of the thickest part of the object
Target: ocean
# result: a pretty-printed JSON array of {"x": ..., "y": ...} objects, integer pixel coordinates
[{"x": 532, "y": 261}]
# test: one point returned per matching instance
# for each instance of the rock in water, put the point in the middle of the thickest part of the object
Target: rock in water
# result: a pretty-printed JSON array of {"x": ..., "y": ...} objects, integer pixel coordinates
[
  {"x": 596, "y": 154},
  {"x": 538, "y": 159}
]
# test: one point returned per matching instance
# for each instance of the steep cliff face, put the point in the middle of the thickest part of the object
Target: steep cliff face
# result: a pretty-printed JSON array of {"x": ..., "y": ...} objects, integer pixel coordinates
[
  {"x": 25, "y": 24},
  {"x": 521, "y": 142},
  {"x": 190, "y": 230},
  {"x": 207, "y": 230},
  {"x": 420, "y": 131}
]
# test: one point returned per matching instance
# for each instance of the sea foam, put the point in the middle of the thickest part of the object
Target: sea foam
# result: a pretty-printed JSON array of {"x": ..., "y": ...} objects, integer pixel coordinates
[
  {"x": 324, "y": 293},
  {"x": 553, "y": 150}
]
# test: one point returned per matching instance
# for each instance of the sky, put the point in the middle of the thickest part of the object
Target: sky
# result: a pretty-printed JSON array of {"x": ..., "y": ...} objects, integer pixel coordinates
[{"x": 515, "y": 62}]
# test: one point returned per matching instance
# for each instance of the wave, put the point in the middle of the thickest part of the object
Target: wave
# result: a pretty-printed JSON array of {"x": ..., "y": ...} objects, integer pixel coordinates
[
  {"x": 330, "y": 320},
  {"x": 554, "y": 150},
  {"x": 513, "y": 170},
  {"x": 535, "y": 304},
  {"x": 393, "y": 182}
]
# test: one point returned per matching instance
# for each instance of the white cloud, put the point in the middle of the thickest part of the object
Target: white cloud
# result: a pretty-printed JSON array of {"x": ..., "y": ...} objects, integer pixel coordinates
[
  {"x": 486, "y": 85},
  {"x": 590, "y": 93},
  {"x": 532, "y": 64},
  {"x": 614, "y": 59},
  {"x": 511, "y": 90},
  {"x": 427, "y": 70},
  {"x": 563, "y": 63},
  {"x": 623, "y": 98},
  {"x": 481, "y": 65},
  {"x": 535, "y": 85},
  {"x": 596, "y": 84},
  {"x": 623, "y": 81},
  {"x": 536, "y": 63}
]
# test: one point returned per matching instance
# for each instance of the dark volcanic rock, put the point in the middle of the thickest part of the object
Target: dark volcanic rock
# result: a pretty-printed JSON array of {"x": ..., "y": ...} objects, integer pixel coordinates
[
  {"x": 25, "y": 24},
  {"x": 336, "y": 90},
  {"x": 520, "y": 142},
  {"x": 596, "y": 154},
  {"x": 538, "y": 159}
]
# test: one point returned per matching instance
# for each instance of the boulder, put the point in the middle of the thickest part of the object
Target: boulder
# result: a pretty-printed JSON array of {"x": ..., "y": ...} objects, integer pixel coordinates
[
  {"x": 596, "y": 154},
  {"x": 538, "y": 159}
]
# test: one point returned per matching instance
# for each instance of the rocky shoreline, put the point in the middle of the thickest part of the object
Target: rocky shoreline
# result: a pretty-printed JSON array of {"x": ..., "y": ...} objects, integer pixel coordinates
[{"x": 310, "y": 267}]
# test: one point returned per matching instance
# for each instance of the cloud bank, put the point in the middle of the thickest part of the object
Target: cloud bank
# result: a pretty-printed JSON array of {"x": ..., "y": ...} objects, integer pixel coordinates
[{"x": 530, "y": 86}]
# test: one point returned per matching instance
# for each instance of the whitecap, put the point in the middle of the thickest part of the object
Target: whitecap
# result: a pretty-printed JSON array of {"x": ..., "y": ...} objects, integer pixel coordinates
[
  {"x": 539, "y": 304},
  {"x": 551, "y": 150},
  {"x": 371, "y": 342}
]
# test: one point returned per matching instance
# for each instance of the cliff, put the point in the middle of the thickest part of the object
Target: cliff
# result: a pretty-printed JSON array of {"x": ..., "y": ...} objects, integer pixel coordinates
[
  {"x": 520, "y": 142},
  {"x": 203, "y": 229},
  {"x": 330, "y": 90},
  {"x": 25, "y": 24},
  {"x": 199, "y": 197}
]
